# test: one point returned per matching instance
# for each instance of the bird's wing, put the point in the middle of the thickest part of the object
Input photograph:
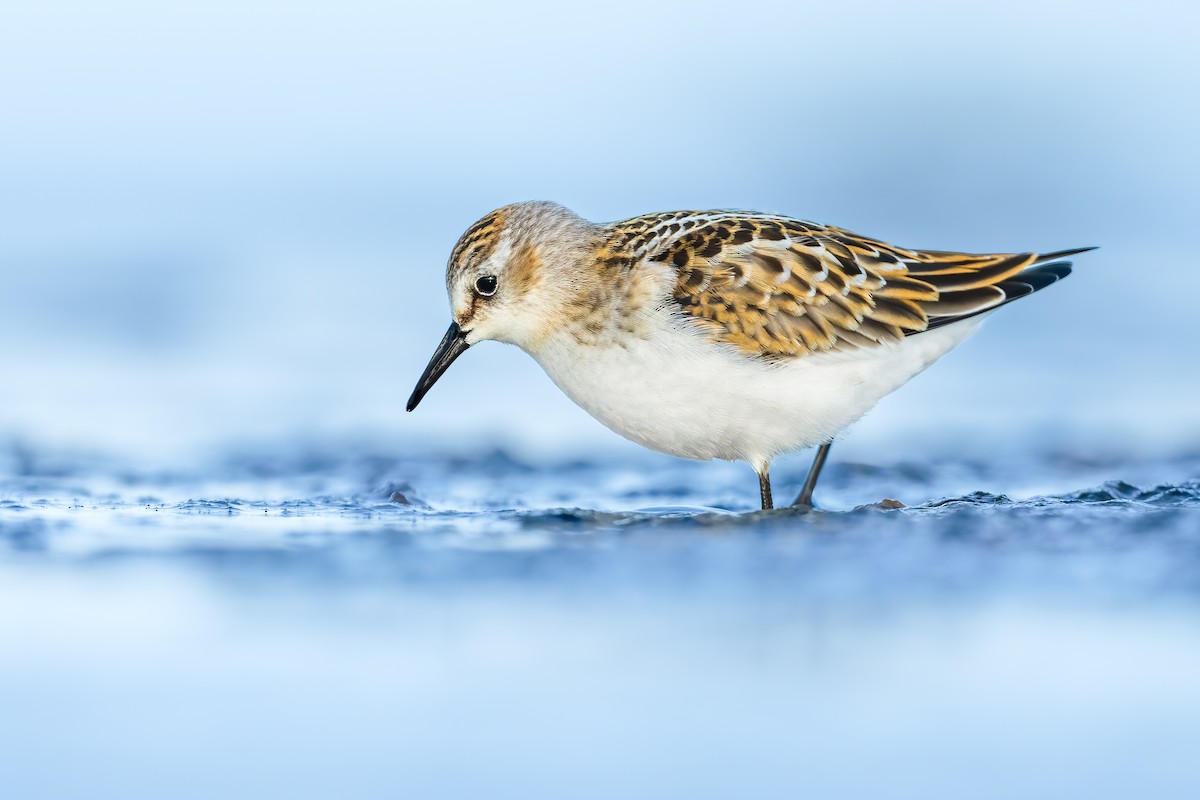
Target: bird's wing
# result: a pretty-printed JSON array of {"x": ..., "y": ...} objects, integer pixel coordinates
[{"x": 778, "y": 287}]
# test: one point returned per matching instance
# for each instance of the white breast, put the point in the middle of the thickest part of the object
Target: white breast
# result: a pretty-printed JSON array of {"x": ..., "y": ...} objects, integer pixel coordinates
[{"x": 679, "y": 393}]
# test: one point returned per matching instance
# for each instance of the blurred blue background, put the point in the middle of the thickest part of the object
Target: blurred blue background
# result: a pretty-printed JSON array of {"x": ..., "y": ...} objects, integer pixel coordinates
[
  {"x": 223, "y": 238},
  {"x": 231, "y": 220}
]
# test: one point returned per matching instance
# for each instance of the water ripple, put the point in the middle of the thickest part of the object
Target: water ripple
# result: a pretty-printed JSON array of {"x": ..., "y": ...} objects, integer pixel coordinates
[{"x": 331, "y": 517}]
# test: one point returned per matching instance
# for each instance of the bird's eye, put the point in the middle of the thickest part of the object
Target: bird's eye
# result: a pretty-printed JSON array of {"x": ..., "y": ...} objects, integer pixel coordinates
[{"x": 486, "y": 285}]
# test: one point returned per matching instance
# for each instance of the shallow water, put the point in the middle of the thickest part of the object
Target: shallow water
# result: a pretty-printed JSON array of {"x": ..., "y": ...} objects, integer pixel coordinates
[{"x": 334, "y": 622}]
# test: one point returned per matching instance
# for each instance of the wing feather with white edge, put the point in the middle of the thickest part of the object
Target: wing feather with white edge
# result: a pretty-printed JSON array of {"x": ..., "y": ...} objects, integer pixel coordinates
[{"x": 775, "y": 286}]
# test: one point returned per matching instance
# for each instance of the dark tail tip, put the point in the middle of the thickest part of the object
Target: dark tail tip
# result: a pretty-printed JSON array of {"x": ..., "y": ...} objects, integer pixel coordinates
[{"x": 1043, "y": 257}]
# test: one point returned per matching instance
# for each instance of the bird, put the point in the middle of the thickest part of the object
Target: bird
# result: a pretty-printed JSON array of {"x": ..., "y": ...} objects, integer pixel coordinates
[{"x": 733, "y": 335}]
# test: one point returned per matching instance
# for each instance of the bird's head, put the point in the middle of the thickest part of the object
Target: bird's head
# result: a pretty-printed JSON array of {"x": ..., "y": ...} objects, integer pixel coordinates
[{"x": 511, "y": 278}]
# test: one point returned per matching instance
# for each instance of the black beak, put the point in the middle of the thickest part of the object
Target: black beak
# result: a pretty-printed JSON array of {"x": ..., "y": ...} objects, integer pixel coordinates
[{"x": 452, "y": 346}]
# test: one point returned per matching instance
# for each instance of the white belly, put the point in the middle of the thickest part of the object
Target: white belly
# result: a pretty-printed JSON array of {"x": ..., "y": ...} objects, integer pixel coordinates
[{"x": 683, "y": 395}]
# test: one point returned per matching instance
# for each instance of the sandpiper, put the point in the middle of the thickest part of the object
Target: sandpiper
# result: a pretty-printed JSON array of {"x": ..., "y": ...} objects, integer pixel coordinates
[{"x": 720, "y": 334}]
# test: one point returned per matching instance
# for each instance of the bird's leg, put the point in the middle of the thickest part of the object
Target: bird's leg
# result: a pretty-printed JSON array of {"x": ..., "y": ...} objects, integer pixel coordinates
[
  {"x": 764, "y": 486},
  {"x": 804, "y": 500}
]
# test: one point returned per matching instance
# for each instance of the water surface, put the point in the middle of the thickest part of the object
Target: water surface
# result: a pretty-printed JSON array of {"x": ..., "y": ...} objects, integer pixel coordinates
[{"x": 336, "y": 622}]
